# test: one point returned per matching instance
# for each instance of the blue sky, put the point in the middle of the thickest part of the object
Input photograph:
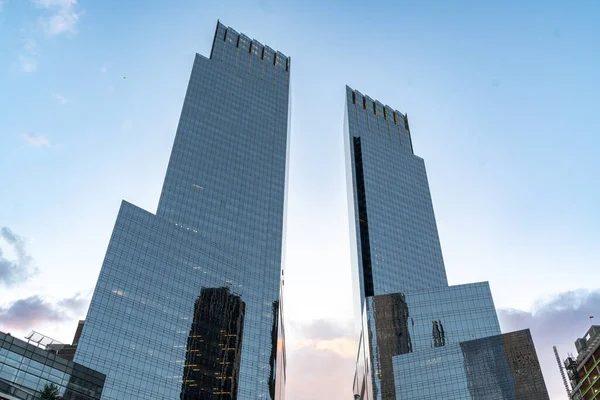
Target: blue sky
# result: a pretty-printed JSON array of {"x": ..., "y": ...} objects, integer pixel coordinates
[{"x": 501, "y": 98}]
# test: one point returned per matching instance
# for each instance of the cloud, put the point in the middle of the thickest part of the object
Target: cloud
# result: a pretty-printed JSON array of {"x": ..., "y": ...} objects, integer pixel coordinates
[
  {"x": 556, "y": 321},
  {"x": 77, "y": 303},
  {"x": 321, "y": 360},
  {"x": 1, "y": 5},
  {"x": 63, "y": 16},
  {"x": 38, "y": 141},
  {"x": 61, "y": 99},
  {"x": 321, "y": 354},
  {"x": 34, "y": 311},
  {"x": 60, "y": 16},
  {"x": 323, "y": 329},
  {"x": 28, "y": 58},
  {"x": 16, "y": 271}
]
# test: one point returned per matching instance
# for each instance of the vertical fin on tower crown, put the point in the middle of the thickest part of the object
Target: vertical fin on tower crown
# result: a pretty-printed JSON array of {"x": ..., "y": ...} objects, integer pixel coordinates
[
  {"x": 395, "y": 120},
  {"x": 226, "y": 36}
]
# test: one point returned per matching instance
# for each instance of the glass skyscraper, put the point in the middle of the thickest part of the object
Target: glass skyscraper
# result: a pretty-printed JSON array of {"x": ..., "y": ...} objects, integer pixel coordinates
[
  {"x": 188, "y": 304},
  {"x": 418, "y": 338}
]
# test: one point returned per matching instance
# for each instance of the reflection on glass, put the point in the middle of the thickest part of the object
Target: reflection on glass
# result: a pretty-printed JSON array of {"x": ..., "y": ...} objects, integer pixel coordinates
[
  {"x": 214, "y": 346},
  {"x": 393, "y": 336},
  {"x": 439, "y": 336},
  {"x": 503, "y": 367},
  {"x": 487, "y": 374},
  {"x": 273, "y": 358}
]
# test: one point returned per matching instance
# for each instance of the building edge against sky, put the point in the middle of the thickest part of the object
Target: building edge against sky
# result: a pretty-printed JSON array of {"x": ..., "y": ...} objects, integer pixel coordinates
[
  {"x": 188, "y": 302},
  {"x": 417, "y": 337}
]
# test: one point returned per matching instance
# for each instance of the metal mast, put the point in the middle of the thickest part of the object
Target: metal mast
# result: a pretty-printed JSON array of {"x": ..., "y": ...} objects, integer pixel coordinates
[{"x": 562, "y": 371}]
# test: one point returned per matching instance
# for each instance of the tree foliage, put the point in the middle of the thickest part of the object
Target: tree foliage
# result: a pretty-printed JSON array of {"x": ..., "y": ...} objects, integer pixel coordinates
[{"x": 50, "y": 392}]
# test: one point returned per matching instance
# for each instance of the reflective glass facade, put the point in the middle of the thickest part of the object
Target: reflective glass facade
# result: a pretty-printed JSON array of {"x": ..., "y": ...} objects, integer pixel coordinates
[
  {"x": 188, "y": 301},
  {"x": 411, "y": 325},
  {"x": 395, "y": 243},
  {"x": 25, "y": 369},
  {"x": 417, "y": 337},
  {"x": 503, "y": 367}
]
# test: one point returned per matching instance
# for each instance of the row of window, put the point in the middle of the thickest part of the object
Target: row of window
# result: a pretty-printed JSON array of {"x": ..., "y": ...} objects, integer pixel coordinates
[
  {"x": 253, "y": 50},
  {"x": 385, "y": 112}
]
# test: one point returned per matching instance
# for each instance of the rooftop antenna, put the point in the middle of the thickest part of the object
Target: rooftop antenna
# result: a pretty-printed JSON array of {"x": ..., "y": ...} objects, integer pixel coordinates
[{"x": 562, "y": 371}]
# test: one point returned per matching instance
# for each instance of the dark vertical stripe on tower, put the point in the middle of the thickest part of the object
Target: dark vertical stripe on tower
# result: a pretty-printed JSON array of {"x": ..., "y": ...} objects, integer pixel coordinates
[
  {"x": 407, "y": 127},
  {"x": 362, "y": 220}
]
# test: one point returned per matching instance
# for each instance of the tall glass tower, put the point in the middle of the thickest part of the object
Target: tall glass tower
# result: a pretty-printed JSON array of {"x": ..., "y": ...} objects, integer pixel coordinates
[
  {"x": 188, "y": 301},
  {"x": 418, "y": 338}
]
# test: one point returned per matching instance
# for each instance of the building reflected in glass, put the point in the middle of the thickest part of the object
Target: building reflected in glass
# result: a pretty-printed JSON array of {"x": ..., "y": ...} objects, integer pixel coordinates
[
  {"x": 418, "y": 338},
  {"x": 214, "y": 346},
  {"x": 188, "y": 301}
]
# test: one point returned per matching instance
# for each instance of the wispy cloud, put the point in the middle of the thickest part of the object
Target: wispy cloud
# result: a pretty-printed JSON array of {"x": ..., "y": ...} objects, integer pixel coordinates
[
  {"x": 33, "y": 311},
  {"x": 557, "y": 321},
  {"x": 63, "y": 16},
  {"x": 320, "y": 360},
  {"x": 38, "y": 141},
  {"x": 1, "y": 5},
  {"x": 19, "y": 269},
  {"x": 59, "y": 17},
  {"x": 28, "y": 58},
  {"x": 61, "y": 99}
]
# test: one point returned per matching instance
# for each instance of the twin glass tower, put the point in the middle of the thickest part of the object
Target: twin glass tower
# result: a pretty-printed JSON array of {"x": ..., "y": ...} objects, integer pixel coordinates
[
  {"x": 188, "y": 304},
  {"x": 417, "y": 337}
]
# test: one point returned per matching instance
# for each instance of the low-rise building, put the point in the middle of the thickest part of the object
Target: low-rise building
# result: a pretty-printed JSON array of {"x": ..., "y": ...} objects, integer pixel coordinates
[
  {"x": 584, "y": 370},
  {"x": 25, "y": 369}
]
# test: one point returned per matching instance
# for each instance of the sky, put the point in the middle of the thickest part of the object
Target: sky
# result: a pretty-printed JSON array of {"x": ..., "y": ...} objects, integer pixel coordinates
[{"x": 501, "y": 96}]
